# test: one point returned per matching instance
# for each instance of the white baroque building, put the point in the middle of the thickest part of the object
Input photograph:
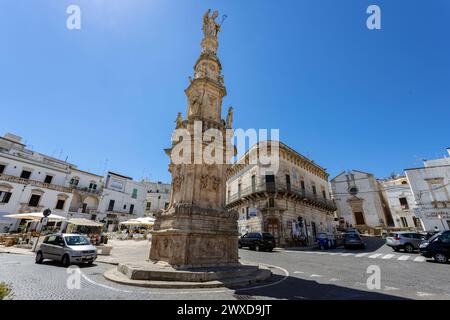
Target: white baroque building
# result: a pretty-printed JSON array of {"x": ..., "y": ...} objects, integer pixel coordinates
[
  {"x": 359, "y": 201},
  {"x": 400, "y": 201},
  {"x": 158, "y": 196},
  {"x": 430, "y": 186},
  {"x": 31, "y": 182},
  {"x": 122, "y": 199}
]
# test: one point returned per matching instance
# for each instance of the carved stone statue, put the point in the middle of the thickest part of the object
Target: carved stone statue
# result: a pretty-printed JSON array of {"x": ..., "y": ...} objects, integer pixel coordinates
[
  {"x": 210, "y": 27},
  {"x": 230, "y": 117},
  {"x": 179, "y": 120},
  {"x": 196, "y": 102}
]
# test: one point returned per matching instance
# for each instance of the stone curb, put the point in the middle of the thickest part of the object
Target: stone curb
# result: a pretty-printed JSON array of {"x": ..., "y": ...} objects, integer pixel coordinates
[{"x": 115, "y": 276}]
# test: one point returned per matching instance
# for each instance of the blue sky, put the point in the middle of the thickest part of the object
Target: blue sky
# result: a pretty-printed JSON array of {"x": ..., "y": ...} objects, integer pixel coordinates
[{"x": 343, "y": 95}]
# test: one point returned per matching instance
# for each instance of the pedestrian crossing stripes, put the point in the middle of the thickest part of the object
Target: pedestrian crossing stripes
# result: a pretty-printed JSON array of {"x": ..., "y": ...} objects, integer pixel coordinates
[{"x": 370, "y": 255}]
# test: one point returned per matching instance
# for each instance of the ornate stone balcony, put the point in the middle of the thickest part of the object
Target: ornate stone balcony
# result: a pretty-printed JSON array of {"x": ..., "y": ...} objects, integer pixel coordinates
[
  {"x": 263, "y": 190},
  {"x": 87, "y": 190},
  {"x": 39, "y": 184}
]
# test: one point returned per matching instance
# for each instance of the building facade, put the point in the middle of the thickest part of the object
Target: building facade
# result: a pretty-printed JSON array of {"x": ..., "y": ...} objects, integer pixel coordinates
[
  {"x": 400, "y": 201},
  {"x": 293, "y": 202},
  {"x": 32, "y": 182},
  {"x": 122, "y": 199},
  {"x": 359, "y": 201},
  {"x": 158, "y": 197},
  {"x": 430, "y": 186}
]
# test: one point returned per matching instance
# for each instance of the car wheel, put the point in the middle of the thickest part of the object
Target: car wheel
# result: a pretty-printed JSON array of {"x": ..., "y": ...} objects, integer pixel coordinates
[
  {"x": 90, "y": 263},
  {"x": 440, "y": 257},
  {"x": 409, "y": 248},
  {"x": 239, "y": 246},
  {"x": 39, "y": 257},
  {"x": 396, "y": 249},
  {"x": 270, "y": 249},
  {"x": 65, "y": 260}
]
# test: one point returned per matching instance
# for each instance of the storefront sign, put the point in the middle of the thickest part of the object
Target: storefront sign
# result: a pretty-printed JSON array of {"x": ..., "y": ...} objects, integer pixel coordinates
[{"x": 437, "y": 215}]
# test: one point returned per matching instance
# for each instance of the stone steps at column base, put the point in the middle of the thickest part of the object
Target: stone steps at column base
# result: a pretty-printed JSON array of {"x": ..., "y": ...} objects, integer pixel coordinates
[{"x": 260, "y": 275}]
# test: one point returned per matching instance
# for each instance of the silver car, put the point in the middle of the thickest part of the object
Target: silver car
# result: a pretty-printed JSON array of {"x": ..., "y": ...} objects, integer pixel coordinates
[
  {"x": 67, "y": 248},
  {"x": 409, "y": 241}
]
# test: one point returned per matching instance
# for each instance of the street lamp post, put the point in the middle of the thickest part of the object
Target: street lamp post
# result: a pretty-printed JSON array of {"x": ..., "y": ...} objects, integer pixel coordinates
[{"x": 42, "y": 223}]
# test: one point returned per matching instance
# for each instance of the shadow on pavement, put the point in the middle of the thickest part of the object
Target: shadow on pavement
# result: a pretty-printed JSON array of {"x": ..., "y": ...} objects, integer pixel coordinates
[{"x": 299, "y": 289}]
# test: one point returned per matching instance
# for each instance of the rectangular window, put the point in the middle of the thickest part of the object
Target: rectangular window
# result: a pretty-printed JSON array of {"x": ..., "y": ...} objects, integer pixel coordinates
[
  {"x": 84, "y": 208},
  {"x": 131, "y": 208},
  {"x": 93, "y": 186},
  {"x": 25, "y": 174},
  {"x": 166, "y": 205},
  {"x": 288, "y": 182},
  {"x": 111, "y": 205},
  {"x": 134, "y": 194},
  {"x": 149, "y": 205},
  {"x": 302, "y": 185},
  {"x": 270, "y": 183},
  {"x": 324, "y": 194},
  {"x": 34, "y": 200},
  {"x": 271, "y": 203},
  {"x": 48, "y": 179},
  {"x": 60, "y": 204},
  {"x": 253, "y": 183},
  {"x": 404, "y": 222},
  {"x": 404, "y": 203},
  {"x": 239, "y": 190},
  {"x": 314, "y": 190},
  {"x": 5, "y": 196},
  {"x": 2, "y": 168}
]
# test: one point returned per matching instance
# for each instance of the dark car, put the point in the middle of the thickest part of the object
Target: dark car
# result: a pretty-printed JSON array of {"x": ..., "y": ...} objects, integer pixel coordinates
[
  {"x": 437, "y": 247},
  {"x": 353, "y": 240},
  {"x": 257, "y": 241}
]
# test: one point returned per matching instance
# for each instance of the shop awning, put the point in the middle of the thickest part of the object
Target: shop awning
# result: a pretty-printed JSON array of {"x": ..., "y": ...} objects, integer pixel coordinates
[
  {"x": 35, "y": 216},
  {"x": 139, "y": 222},
  {"x": 85, "y": 222}
]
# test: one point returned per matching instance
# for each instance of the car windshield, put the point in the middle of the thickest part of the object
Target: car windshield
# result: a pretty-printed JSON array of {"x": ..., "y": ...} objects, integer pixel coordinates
[
  {"x": 77, "y": 241},
  {"x": 352, "y": 236},
  {"x": 435, "y": 236}
]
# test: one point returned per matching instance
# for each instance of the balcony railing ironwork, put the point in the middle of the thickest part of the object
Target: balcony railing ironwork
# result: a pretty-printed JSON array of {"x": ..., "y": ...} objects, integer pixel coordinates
[{"x": 274, "y": 187}]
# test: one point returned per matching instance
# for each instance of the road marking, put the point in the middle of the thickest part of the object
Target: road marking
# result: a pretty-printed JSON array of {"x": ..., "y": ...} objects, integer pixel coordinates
[
  {"x": 424, "y": 294},
  {"x": 285, "y": 277},
  {"x": 298, "y": 272},
  {"x": 315, "y": 276},
  {"x": 299, "y": 297},
  {"x": 403, "y": 258},
  {"x": 347, "y": 254},
  {"x": 420, "y": 259},
  {"x": 334, "y": 253},
  {"x": 359, "y": 255},
  {"x": 375, "y": 255},
  {"x": 388, "y": 256},
  {"x": 390, "y": 288},
  {"x": 334, "y": 279}
]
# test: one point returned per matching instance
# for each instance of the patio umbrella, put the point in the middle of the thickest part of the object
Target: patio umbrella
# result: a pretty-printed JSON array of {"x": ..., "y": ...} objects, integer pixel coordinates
[
  {"x": 85, "y": 222},
  {"x": 36, "y": 216}
]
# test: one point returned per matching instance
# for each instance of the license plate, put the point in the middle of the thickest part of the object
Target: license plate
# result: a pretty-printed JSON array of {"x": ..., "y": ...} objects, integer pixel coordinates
[{"x": 88, "y": 257}]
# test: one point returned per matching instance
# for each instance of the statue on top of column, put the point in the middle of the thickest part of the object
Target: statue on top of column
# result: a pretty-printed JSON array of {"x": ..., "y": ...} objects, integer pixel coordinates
[{"x": 210, "y": 27}]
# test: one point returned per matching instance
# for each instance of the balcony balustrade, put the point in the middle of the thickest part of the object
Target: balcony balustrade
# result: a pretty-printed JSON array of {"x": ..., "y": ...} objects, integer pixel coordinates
[
  {"x": 39, "y": 184},
  {"x": 280, "y": 188}
]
